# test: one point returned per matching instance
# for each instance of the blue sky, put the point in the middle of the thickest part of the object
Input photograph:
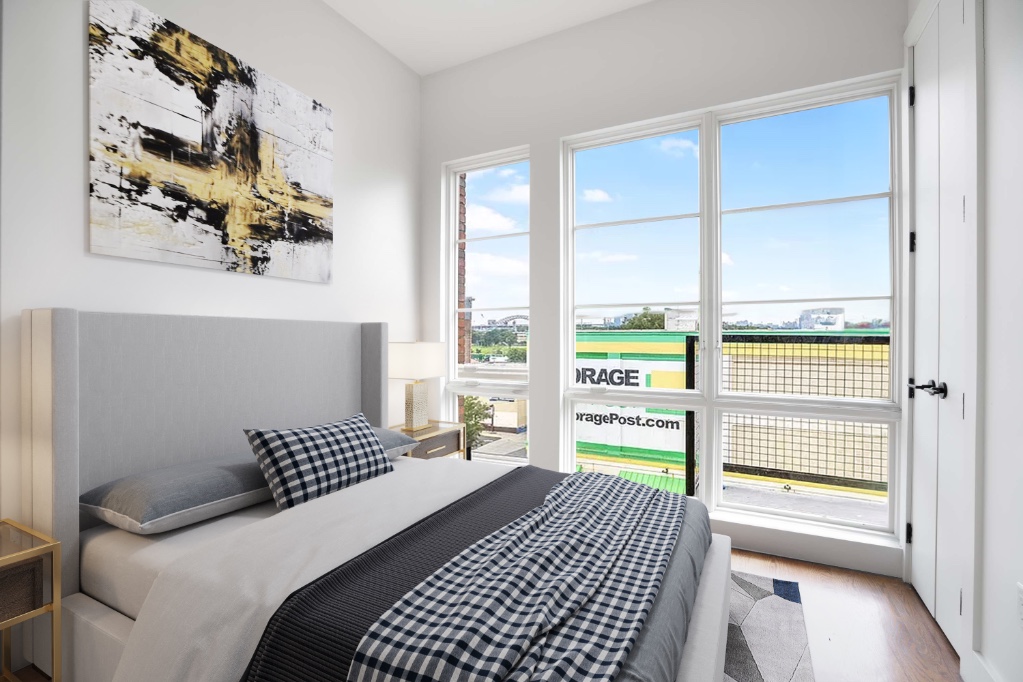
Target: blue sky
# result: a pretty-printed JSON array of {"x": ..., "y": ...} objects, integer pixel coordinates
[{"x": 838, "y": 250}]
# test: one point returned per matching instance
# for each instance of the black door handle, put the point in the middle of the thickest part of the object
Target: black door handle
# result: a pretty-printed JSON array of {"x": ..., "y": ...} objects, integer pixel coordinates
[{"x": 940, "y": 390}]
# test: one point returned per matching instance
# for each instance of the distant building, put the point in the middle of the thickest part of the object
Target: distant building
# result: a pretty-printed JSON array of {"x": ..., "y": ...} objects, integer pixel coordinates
[
  {"x": 823, "y": 319},
  {"x": 681, "y": 319}
]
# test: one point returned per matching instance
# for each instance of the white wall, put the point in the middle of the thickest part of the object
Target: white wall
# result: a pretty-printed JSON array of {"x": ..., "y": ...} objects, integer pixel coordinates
[
  {"x": 912, "y": 5},
  {"x": 1002, "y": 567},
  {"x": 662, "y": 58},
  {"x": 44, "y": 259}
]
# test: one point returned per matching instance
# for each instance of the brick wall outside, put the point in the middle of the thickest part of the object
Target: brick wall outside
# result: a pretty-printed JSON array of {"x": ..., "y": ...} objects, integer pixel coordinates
[{"x": 464, "y": 319}]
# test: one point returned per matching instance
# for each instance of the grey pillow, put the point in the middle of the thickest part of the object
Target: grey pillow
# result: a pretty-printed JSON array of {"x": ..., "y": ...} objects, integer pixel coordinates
[
  {"x": 395, "y": 443},
  {"x": 177, "y": 496}
]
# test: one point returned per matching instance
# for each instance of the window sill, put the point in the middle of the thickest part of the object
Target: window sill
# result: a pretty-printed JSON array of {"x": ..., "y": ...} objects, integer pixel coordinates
[
  {"x": 488, "y": 387},
  {"x": 860, "y": 549}
]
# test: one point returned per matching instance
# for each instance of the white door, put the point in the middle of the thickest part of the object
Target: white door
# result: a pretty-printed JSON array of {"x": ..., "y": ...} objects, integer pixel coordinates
[{"x": 939, "y": 427}]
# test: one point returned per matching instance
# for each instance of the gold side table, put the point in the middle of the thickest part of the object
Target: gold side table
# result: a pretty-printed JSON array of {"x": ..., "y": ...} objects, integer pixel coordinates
[{"x": 29, "y": 586}]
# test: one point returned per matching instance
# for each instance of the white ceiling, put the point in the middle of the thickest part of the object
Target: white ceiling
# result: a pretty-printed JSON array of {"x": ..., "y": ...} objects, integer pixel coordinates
[{"x": 431, "y": 35}]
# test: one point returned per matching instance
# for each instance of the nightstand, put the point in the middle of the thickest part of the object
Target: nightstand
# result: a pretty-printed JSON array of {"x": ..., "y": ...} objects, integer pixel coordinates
[
  {"x": 29, "y": 586},
  {"x": 440, "y": 439}
]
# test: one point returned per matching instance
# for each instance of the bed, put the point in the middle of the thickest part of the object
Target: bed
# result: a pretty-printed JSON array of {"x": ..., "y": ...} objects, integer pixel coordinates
[{"x": 108, "y": 395}]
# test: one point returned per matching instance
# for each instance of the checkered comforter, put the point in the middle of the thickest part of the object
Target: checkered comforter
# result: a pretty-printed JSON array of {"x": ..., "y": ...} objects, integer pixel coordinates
[{"x": 560, "y": 593}]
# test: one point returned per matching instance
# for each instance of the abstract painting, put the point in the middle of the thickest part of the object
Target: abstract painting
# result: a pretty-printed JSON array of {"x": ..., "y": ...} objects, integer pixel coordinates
[{"x": 197, "y": 158}]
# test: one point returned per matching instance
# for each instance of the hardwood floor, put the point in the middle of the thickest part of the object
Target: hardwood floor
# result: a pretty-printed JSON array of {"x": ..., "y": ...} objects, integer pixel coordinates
[
  {"x": 861, "y": 627},
  {"x": 31, "y": 674}
]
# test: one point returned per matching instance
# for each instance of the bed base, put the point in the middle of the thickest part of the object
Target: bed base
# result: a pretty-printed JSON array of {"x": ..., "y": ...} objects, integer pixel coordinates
[
  {"x": 94, "y": 637},
  {"x": 703, "y": 657}
]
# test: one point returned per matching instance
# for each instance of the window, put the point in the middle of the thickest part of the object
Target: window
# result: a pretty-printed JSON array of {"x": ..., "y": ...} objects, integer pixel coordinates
[
  {"x": 806, "y": 310},
  {"x": 806, "y": 252},
  {"x": 487, "y": 385},
  {"x": 733, "y": 285},
  {"x": 492, "y": 287},
  {"x": 636, "y": 265}
]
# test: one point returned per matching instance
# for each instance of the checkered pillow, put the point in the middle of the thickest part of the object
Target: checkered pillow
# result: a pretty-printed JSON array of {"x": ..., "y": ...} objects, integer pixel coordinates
[{"x": 303, "y": 464}]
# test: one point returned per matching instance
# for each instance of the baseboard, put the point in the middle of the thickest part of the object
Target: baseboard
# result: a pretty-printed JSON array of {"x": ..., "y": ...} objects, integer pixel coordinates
[{"x": 973, "y": 668}]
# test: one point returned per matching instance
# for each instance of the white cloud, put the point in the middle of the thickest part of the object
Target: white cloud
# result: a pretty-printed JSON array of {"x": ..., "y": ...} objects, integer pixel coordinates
[
  {"x": 506, "y": 172},
  {"x": 784, "y": 287},
  {"x": 604, "y": 257},
  {"x": 512, "y": 194},
  {"x": 596, "y": 195},
  {"x": 481, "y": 266},
  {"x": 726, "y": 259},
  {"x": 475, "y": 175},
  {"x": 680, "y": 147},
  {"x": 485, "y": 219},
  {"x": 496, "y": 281}
]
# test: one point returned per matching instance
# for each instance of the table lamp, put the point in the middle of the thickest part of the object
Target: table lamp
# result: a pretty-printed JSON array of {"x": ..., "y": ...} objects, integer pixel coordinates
[{"x": 415, "y": 362}]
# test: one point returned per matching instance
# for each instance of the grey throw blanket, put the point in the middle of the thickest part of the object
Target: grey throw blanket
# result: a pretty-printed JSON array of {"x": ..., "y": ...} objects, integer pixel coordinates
[{"x": 560, "y": 593}]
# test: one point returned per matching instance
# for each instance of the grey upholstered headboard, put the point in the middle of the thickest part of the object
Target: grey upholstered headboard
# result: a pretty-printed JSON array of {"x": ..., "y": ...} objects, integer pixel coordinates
[{"x": 106, "y": 395}]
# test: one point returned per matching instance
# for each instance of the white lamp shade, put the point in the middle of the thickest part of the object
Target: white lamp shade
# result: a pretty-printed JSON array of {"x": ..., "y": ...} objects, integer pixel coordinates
[{"x": 416, "y": 360}]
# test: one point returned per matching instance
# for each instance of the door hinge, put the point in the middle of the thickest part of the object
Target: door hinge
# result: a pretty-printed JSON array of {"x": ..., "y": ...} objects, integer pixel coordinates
[
  {"x": 912, "y": 394},
  {"x": 912, "y": 95},
  {"x": 912, "y": 242},
  {"x": 909, "y": 533}
]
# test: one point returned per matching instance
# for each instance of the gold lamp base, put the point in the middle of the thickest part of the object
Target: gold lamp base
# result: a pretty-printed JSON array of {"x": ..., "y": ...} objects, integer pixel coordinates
[{"x": 416, "y": 404}]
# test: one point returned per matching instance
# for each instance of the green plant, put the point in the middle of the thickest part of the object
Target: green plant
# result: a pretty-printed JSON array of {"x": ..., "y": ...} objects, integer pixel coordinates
[
  {"x": 476, "y": 412},
  {"x": 517, "y": 354},
  {"x": 647, "y": 319},
  {"x": 495, "y": 337}
]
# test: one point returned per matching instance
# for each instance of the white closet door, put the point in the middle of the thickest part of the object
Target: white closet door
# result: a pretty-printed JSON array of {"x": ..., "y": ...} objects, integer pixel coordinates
[
  {"x": 952, "y": 434},
  {"x": 940, "y": 341}
]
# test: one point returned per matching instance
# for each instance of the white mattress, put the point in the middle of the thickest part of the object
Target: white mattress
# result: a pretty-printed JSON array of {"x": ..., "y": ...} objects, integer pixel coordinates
[{"x": 119, "y": 568}]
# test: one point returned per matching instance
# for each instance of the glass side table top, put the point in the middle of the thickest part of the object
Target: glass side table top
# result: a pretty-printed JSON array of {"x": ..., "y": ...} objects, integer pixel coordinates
[{"x": 15, "y": 539}]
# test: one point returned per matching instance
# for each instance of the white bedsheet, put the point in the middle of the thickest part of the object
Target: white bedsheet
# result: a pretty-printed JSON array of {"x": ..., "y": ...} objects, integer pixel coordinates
[
  {"x": 207, "y": 610},
  {"x": 119, "y": 568}
]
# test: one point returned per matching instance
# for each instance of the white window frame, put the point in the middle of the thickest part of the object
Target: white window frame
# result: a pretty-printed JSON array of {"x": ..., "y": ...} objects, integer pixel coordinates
[
  {"x": 709, "y": 400},
  {"x": 516, "y": 386}
]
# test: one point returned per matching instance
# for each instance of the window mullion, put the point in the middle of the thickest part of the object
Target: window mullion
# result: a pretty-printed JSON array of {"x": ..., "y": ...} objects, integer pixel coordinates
[
  {"x": 799, "y": 406},
  {"x": 807, "y": 204},
  {"x": 710, "y": 315},
  {"x": 637, "y": 221}
]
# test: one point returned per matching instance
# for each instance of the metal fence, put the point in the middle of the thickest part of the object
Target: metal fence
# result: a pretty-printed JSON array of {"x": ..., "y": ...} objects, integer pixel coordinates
[
  {"x": 832, "y": 364},
  {"x": 850, "y": 364},
  {"x": 820, "y": 451}
]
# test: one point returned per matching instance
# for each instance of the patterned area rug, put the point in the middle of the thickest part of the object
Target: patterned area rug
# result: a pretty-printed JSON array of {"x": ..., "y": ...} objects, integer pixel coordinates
[{"x": 766, "y": 632}]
